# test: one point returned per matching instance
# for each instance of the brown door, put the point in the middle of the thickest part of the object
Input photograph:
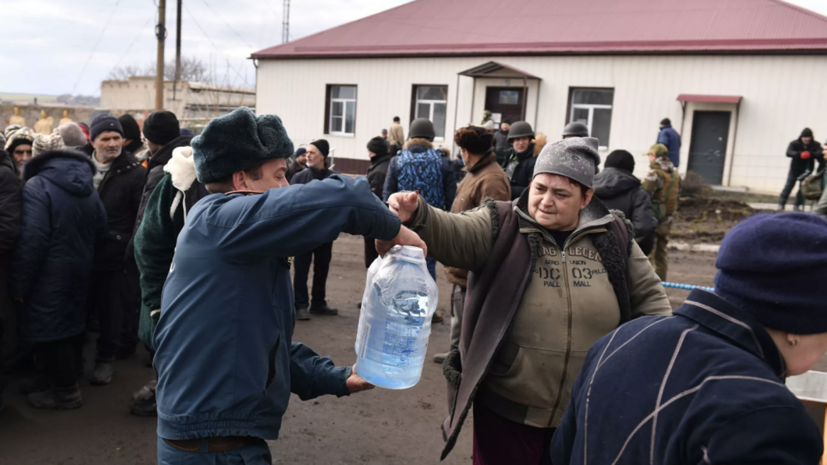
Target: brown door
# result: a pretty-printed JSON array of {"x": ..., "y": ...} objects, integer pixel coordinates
[{"x": 507, "y": 101}]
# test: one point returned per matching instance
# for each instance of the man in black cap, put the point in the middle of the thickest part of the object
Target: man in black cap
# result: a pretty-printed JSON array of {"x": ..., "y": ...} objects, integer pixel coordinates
[
  {"x": 132, "y": 140},
  {"x": 119, "y": 181},
  {"x": 317, "y": 153},
  {"x": 379, "y": 160},
  {"x": 803, "y": 153},
  {"x": 298, "y": 163},
  {"x": 162, "y": 135},
  {"x": 502, "y": 146},
  {"x": 671, "y": 139}
]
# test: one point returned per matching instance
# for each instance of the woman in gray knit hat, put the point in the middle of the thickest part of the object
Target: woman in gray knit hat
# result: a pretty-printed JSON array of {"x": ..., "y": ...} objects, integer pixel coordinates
[{"x": 550, "y": 273}]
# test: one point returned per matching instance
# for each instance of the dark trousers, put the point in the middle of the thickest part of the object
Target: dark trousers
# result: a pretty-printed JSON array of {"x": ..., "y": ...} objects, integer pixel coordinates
[
  {"x": 792, "y": 180},
  {"x": 109, "y": 300},
  {"x": 62, "y": 360},
  {"x": 321, "y": 267},
  {"x": 370, "y": 251},
  {"x": 498, "y": 441}
]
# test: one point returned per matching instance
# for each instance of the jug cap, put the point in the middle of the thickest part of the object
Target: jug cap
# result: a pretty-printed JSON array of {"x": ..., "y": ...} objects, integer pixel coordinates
[{"x": 410, "y": 253}]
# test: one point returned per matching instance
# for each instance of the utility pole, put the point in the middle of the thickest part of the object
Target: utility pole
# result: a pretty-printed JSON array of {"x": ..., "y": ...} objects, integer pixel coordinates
[
  {"x": 177, "y": 49},
  {"x": 285, "y": 24},
  {"x": 161, "y": 34}
]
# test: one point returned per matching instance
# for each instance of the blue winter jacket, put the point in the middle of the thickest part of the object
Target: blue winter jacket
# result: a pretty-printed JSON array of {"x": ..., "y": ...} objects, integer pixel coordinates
[
  {"x": 704, "y": 386},
  {"x": 225, "y": 356},
  {"x": 448, "y": 181},
  {"x": 52, "y": 263},
  {"x": 672, "y": 140}
]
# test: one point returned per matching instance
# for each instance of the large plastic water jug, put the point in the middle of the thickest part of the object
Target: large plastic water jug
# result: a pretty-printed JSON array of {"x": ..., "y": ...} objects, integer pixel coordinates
[{"x": 395, "y": 323}]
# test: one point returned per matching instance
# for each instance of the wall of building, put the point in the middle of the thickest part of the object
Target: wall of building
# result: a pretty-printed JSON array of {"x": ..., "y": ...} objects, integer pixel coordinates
[
  {"x": 31, "y": 113},
  {"x": 189, "y": 101},
  {"x": 780, "y": 98}
]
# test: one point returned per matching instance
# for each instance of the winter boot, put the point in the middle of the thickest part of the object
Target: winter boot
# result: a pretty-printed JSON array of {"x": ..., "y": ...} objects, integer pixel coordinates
[
  {"x": 145, "y": 407},
  {"x": 104, "y": 372},
  {"x": 302, "y": 314},
  {"x": 57, "y": 398},
  {"x": 323, "y": 310}
]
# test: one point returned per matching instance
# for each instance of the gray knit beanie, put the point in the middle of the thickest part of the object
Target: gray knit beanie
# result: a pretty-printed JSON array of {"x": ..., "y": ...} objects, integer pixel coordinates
[
  {"x": 72, "y": 135},
  {"x": 573, "y": 158}
]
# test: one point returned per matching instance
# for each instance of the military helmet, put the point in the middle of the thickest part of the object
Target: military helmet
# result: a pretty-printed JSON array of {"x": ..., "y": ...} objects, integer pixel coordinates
[
  {"x": 576, "y": 129},
  {"x": 422, "y": 128},
  {"x": 520, "y": 129}
]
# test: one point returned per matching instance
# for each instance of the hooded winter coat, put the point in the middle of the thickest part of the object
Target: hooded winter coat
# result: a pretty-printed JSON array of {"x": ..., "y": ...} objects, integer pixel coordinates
[
  {"x": 120, "y": 191},
  {"x": 163, "y": 219},
  {"x": 520, "y": 280},
  {"x": 10, "y": 211},
  {"x": 799, "y": 165},
  {"x": 62, "y": 218},
  {"x": 621, "y": 190},
  {"x": 523, "y": 171},
  {"x": 672, "y": 140}
]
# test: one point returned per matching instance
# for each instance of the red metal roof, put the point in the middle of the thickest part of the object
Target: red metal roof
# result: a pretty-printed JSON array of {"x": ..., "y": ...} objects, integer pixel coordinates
[
  {"x": 709, "y": 98},
  {"x": 495, "y": 27}
]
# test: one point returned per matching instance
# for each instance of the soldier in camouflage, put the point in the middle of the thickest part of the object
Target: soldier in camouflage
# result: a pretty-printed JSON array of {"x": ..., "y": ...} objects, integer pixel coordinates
[{"x": 663, "y": 183}]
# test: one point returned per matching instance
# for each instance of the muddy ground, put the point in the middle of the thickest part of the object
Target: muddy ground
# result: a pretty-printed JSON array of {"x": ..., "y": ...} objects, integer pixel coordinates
[
  {"x": 375, "y": 427},
  {"x": 706, "y": 219}
]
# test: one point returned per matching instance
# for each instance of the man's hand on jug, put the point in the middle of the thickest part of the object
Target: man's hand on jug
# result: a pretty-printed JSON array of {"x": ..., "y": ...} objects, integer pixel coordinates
[
  {"x": 404, "y": 204},
  {"x": 355, "y": 383},
  {"x": 405, "y": 237}
]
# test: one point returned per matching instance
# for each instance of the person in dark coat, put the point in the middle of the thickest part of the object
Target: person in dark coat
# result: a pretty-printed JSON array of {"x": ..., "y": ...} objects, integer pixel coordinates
[
  {"x": 320, "y": 257},
  {"x": 706, "y": 385},
  {"x": 619, "y": 189},
  {"x": 62, "y": 218},
  {"x": 671, "y": 139},
  {"x": 10, "y": 211},
  {"x": 298, "y": 163},
  {"x": 803, "y": 153},
  {"x": 502, "y": 146},
  {"x": 155, "y": 240},
  {"x": 519, "y": 165},
  {"x": 378, "y": 151},
  {"x": 132, "y": 140},
  {"x": 119, "y": 181}
]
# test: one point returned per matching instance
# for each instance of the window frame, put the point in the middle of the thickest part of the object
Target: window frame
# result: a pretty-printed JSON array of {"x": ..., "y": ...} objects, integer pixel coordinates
[
  {"x": 590, "y": 107},
  {"x": 329, "y": 101},
  {"x": 415, "y": 106}
]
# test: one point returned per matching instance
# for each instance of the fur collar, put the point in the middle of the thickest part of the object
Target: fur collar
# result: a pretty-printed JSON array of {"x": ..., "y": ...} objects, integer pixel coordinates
[
  {"x": 182, "y": 168},
  {"x": 419, "y": 141}
]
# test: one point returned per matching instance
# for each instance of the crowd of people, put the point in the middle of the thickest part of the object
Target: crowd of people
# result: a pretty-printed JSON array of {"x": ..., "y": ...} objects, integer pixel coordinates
[{"x": 185, "y": 244}]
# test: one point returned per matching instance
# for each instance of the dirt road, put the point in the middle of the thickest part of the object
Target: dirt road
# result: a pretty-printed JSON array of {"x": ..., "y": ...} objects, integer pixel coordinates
[{"x": 376, "y": 427}]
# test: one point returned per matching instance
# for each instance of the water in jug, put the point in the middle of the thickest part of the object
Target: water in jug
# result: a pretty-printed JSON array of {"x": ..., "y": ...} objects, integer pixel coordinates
[{"x": 395, "y": 322}]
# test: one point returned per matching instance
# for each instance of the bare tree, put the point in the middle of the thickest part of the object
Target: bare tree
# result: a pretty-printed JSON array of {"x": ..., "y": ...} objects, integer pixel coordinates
[
  {"x": 192, "y": 69},
  {"x": 127, "y": 71}
]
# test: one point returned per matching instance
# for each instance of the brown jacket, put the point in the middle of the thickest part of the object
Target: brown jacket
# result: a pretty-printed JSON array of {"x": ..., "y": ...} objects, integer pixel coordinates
[
  {"x": 485, "y": 180},
  {"x": 396, "y": 135},
  {"x": 503, "y": 250}
]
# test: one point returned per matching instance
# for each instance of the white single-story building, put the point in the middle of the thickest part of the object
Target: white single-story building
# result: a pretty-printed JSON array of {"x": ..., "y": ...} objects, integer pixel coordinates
[{"x": 739, "y": 79}]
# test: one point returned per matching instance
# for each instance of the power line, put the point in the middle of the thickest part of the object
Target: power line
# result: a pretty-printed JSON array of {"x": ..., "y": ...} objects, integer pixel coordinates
[
  {"x": 238, "y": 73},
  {"x": 228, "y": 25},
  {"x": 95, "y": 47},
  {"x": 137, "y": 36}
]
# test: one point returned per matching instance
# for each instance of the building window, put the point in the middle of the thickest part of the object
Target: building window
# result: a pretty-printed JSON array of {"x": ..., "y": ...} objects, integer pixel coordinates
[
  {"x": 431, "y": 102},
  {"x": 341, "y": 110},
  {"x": 593, "y": 107}
]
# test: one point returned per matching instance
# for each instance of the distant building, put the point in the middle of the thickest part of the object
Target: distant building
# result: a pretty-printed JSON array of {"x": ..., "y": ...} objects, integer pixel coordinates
[
  {"x": 190, "y": 101},
  {"x": 738, "y": 78}
]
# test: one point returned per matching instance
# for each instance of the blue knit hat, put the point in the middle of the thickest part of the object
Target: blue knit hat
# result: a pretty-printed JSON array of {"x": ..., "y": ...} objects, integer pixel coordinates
[
  {"x": 104, "y": 123},
  {"x": 774, "y": 266},
  {"x": 237, "y": 142}
]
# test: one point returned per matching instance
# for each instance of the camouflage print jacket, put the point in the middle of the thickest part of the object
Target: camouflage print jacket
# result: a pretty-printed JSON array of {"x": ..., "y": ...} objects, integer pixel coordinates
[{"x": 657, "y": 182}]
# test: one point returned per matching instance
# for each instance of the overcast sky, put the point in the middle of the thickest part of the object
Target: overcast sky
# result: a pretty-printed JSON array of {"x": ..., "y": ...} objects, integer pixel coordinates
[{"x": 59, "y": 46}]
